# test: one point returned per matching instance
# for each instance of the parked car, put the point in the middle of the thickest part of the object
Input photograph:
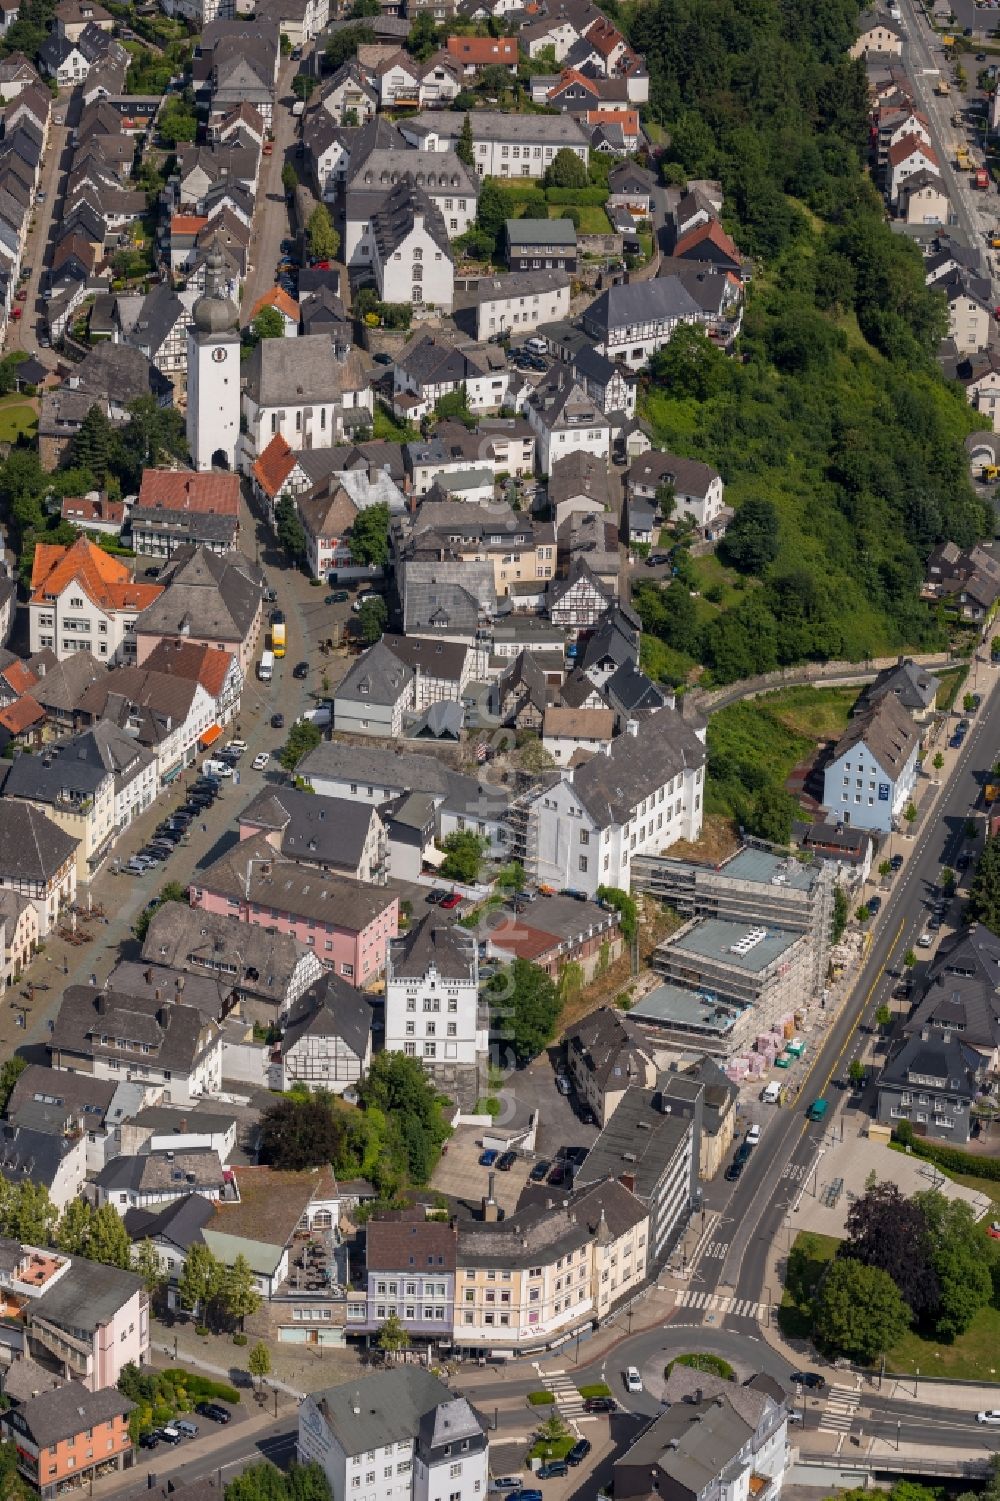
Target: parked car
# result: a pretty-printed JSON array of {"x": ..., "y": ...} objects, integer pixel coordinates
[
  {"x": 579, "y": 1452},
  {"x": 300, "y": 670},
  {"x": 734, "y": 1170},
  {"x": 557, "y": 1175},
  {"x": 753, "y": 1135},
  {"x": 956, "y": 741},
  {"x": 563, "y": 1084},
  {"x": 874, "y": 905},
  {"x": 657, "y": 559},
  {"x": 215, "y": 1411},
  {"x": 382, "y": 358},
  {"x": 277, "y": 721},
  {"x": 363, "y": 599},
  {"x": 633, "y": 1381},
  {"x": 506, "y": 1161},
  {"x": 338, "y": 597},
  {"x": 810, "y": 1379},
  {"x": 452, "y": 900},
  {"x": 169, "y": 1434},
  {"x": 925, "y": 940},
  {"x": 896, "y": 863},
  {"x": 186, "y": 1427},
  {"x": 600, "y": 1404},
  {"x": 148, "y": 1440},
  {"x": 489, "y": 1157},
  {"x": 552, "y": 1470},
  {"x": 538, "y": 1172},
  {"x": 436, "y": 896},
  {"x": 991, "y": 1415},
  {"x": 260, "y": 761}
]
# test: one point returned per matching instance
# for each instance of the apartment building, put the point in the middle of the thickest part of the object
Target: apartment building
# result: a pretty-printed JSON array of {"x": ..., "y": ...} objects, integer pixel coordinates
[
  {"x": 432, "y": 996},
  {"x": 37, "y": 861},
  {"x": 83, "y": 599},
  {"x": 61, "y": 1437},
  {"x": 410, "y": 1270}
]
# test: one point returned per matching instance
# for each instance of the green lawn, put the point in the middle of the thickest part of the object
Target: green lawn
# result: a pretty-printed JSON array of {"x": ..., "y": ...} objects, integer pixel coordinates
[
  {"x": 388, "y": 430},
  {"x": 951, "y": 681},
  {"x": 973, "y": 1356},
  {"x": 593, "y": 219},
  {"x": 597, "y": 1389},
  {"x": 557, "y": 1449},
  {"x": 17, "y": 417},
  {"x": 774, "y": 733},
  {"x": 819, "y": 713},
  {"x": 711, "y": 576}
]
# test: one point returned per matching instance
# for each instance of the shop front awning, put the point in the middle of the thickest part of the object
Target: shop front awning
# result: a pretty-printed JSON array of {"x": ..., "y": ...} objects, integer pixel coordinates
[
  {"x": 173, "y": 773},
  {"x": 210, "y": 736}
]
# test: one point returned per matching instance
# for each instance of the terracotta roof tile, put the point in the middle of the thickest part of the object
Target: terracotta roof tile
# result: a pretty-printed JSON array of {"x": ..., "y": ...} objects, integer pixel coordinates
[
  {"x": 186, "y": 659},
  {"x": 187, "y": 224},
  {"x": 105, "y": 580},
  {"x": 483, "y": 50},
  {"x": 19, "y": 677},
  {"x": 277, "y": 298},
  {"x": 713, "y": 231},
  {"x": 274, "y": 465},
  {"x": 180, "y": 490},
  {"x": 22, "y": 714}
]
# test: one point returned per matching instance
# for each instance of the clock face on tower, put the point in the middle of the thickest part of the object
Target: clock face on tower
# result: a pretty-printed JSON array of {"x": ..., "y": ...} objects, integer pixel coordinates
[{"x": 219, "y": 355}]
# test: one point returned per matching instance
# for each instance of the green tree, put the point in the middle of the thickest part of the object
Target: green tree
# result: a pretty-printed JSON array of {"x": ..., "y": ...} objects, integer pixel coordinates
[
  {"x": 259, "y": 1361},
  {"x": 494, "y": 208},
  {"x": 552, "y": 1428},
  {"x": 373, "y": 617},
  {"x": 26, "y": 1212},
  {"x": 10, "y": 1071},
  {"x": 324, "y": 241},
  {"x": 752, "y": 541},
  {"x": 938, "y": 761},
  {"x": 625, "y": 906},
  {"x": 691, "y": 365},
  {"x": 423, "y": 37},
  {"x": 146, "y": 1262},
  {"x": 772, "y": 813},
  {"x": 268, "y": 324},
  {"x": 964, "y": 1274},
  {"x": 173, "y": 891},
  {"x": 344, "y": 44},
  {"x": 289, "y": 178},
  {"x": 370, "y": 536},
  {"x": 984, "y": 889},
  {"x": 303, "y": 84},
  {"x": 856, "y": 1072},
  {"x": 909, "y": 959},
  {"x": 300, "y": 1133},
  {"x": 291, "y": 533},
  {"x": 108, "y": 1241},
  {"x": 73, "y": 1230},
  {"x": 200, "y": 1280},
  {"x": 883, "y": 1017},
  {"x": 859, "y": 1311},
  {"x": 840, "y": 914},
  {"x": 239, "y": 1294},
  {"x": 303, "y": 737},
  {"x": 524, "y": 1008},
  {"x": 392, "y": 1338},
  {"x": 884, "y": 869},
  {"x": 566, "y": 170},
  {"x": 465, "y": 146},
  {"x": 511, "y": 878},
  {"x": 177, "y": 121},
  {"x": 464, "y": 851},
  {"x": 91, "y": 447},
  {"x": 152, "y": 436}
]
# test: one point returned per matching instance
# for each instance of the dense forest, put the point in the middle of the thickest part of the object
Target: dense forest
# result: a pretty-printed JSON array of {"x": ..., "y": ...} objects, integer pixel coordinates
[{"x": 833, "y": 419}]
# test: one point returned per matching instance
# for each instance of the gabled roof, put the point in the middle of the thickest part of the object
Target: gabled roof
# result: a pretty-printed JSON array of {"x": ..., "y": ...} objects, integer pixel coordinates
[
  {"x": 330, "y": 1008},
  {"x": 637, "y": 765},
  {"x": 481, "y": 51},
  {"x": 888, "y": 733},
  {"x": 274, "y": 465},
  {"x": 377, "y": 677},
  {"x": 396, "y": 219},
  {"x": 105, "y": 580},
  {"x": 438, "y": 944},
  {"x": 907, "y": 146},
  {"x": 32, "y": 847},
  {"x": 713, "y": 232},
  {"x": 206, "y": 665},
  {"x": 278, "y": 298}
]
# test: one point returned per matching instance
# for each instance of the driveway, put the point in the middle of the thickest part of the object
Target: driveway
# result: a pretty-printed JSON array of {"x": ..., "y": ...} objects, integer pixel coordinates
[{"x": 559, "y": 1125}]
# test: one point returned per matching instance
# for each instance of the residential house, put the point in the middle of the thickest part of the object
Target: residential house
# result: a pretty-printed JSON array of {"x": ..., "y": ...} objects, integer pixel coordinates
[
  {"x": 931, "y": 1078},
  {"x": 327, "y": 1041},
  {"x": 633, "y": 320},
  {"x": 651, "y": 1146},
  {"x": 95, "y": 513},
  {"x": 968, "y": 579},
  {"x": 348, "y": 98},
  {"x": 697, "y": 488},
  {"x": 431, "y": 1442},
  {"x": 22, "y": 931},
  {"x": 579, "y": 482},
  {"x": 569, "y": 733},
  {"x": 604, "y": 1056},
  {"x": 374, "y": 695},
  {"x": 410, "y": 1270},
  {"x": 541, "y": 245},
  {"x": 565, "y": 420},
  {"x": 871, "y": 774},
  {"x": 61, "y": 1437},
  {"x": 578, "y": 601},
  {"x": 923, "y": 200},
  {"x": 451, "y": 600},
  {"x": 519, "y": 550},
  {"x": 174, "y": 508},
  {"x": 473, "y": 53},
  {"x": 878, "y": 34},
  {"x": 711, "y": 1435},
  {"x": 116, "y": 1036},
  {"x": 962, "y": 994},
  {"x": 264, "y": 972},
  {"x": 914, "y": 688},
  {"x": 905, "y": 159},
  {"x": 71, "y": 784},
  {"x": 518, "y": 303},
  {"x": 441, "y": 669},
  {"x": 150, "y": 1180},
  {"x": 206, "y": 600},
  {"x": 639, "y": 798},
  {"x": 432, "y": 1007},
  {"x": 347, "y": 923},
  {"x": 430, "y": 367},
  {"x": 328, "y": 512},
  {"x": 553, "y": 934},
  {"x": 411, "y": 254},
  {"x": 336, "y": 835},
  {"x": 505, "y": 145},
  {"x": 83, "y": 599},
  {"x": 168, "y": 716},
  {"x": 160, "y": 333},
  {"x": 606, "y": 383},
  {"x": 286, "y": 307},
  {"x": 630, "y": 186},
  {"x": 522, "y": 693}
]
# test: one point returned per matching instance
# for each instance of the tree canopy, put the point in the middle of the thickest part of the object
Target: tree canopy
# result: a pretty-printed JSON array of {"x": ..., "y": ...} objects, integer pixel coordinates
[
  {"x": 859, "y": 1311},
  {"x": 524, "y": 1008},
  {"x": 370, "y": 535},
  {"x": 298, "y": 1133}
]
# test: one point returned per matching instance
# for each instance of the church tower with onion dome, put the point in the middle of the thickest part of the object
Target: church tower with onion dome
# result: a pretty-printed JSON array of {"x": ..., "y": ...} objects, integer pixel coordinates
[{"x": 213, "y": 391}]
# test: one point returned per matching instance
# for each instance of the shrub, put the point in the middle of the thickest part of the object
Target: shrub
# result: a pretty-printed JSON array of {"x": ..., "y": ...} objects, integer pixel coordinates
[
  {"x": 239, "y": 1339},
  {"x": 596, "y": 1389},
  {"x": 712, "y": 1365},
  {"x": 952, "y": 1160},
  {"x": 541, "y": 1399},
  {"x": 201, "y": 1329}
]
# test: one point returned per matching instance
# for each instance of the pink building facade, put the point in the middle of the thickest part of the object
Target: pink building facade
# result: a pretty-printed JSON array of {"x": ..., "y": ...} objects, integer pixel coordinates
[{"x": 357, "y": 954}]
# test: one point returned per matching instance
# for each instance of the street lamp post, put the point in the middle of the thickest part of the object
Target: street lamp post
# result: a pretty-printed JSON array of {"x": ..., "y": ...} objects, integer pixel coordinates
[{"x": 897, "y": 1435}]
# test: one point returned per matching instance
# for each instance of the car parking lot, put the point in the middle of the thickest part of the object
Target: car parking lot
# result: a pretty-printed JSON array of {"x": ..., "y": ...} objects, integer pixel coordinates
[{"x": 460, "y": 1175}]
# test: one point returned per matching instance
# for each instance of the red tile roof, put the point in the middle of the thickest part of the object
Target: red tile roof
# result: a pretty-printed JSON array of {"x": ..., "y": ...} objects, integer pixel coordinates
[
  {"x": 713, "y": 231},
  {"x": 105, "y": 580},
  {"x": 274, "y": 466},
  {"x": 484, "y": 50},
  {"x": 81, "y": 509},
  {"x": 19, "y": 677},
  {"x": 906, "y": 148},
  {"x": 572, "y": 75},
  {"x": 21, "y": 714},
  {"x": 628, "y": 119},
  {"x": 605, "y": 36},
  {"x": 278, "y": 298},
  {"x": 180, "y": 490},
  {"x": 186, "y": 659},
  {"x": 187, "y": 224}
]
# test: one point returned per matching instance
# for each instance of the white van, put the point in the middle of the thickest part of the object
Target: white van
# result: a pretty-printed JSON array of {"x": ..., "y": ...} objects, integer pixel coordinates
[
  {"x": 771, "y": 1093},
  {"x": 536, "y": 346},
  {"x": 216, "y": 768},
  {"x": 320, "y": 717}
]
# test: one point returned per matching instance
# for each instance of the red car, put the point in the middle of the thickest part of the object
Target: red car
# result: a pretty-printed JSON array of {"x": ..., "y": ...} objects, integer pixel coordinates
[
  {"x": 21, "y": 295},
  {"x": 994, "y": 1231},
  {"x": 451, "y": 900}
]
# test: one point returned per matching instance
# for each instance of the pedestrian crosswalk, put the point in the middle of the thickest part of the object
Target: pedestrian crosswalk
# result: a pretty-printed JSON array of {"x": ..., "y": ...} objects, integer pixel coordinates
[
  {"x": 742, "y": 1308},
  {"x": 563, "y": 1388},
  {"x": 841, "y": 1405},
  {"x": 717, "y": 1248}
]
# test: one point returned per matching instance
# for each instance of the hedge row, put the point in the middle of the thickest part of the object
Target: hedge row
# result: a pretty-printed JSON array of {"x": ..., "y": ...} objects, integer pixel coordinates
[
  {"x": 579, "y": 196},
  {"x": 527, "y": 187},
  {"x": 952, "y": 1160},
  {"x": 202, "y": 1387}
]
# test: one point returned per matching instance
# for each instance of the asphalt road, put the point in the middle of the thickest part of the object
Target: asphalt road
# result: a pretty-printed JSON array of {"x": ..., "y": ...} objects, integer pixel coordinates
[
  {"x": 783, "y": 1165},
  {"x": 270, "y": 223},
  {"x": 276, "y": 1443},
  {"x": 924, "y": 67}
]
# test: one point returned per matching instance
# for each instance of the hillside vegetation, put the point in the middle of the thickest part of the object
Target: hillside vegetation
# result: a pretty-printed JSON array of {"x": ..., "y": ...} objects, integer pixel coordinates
[{"x": 833, "y": 419}]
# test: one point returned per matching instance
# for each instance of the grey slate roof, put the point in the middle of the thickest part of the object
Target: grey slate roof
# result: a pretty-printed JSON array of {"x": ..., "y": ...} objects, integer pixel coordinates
[
  {"x": 176, "y": 1034},
  {"x": 435, "y": 659},
  {"x": 579, "y": 474},
  {"x": 446, "y": 596},
  {"x": 330, "y": 1008},
  {"x": 30, "y": 1156},
  {"x": 78, "y": 1095},
  {"x": 298, "y": 371},
  {"x": 154, "y": 1172},
  {"x": 381, "y": 1409},
  {"x": 886, "y": 730},
  {"x": 963, "y": 989},
  {"x": 207, "y": 597},
  {"x": 180, "y": 1222},
  {"x": 937, "y": 1055},
  {"x": 395, "y": 219},
  {"x": 609, "y": 1049},
  {"x": 288, "y": 887},
  {"x": 329, "y": 831},
  {"x": 644, "y": 1150},
  {"x": 610, "y": 786},
  {"x": 61, "y": 684},
  {"x": 403, "y": 771},
  {"x": 914, "y": 687},
  {"x": 640, "y": 302},
  {"x": 377, "y": 677},
  {"x": 88, "y": 1295},
  {"x": 69, "y": 1410},
  {"x": 119, "y": 373},
  {"x": 59, "y": 774},
  {"x": 32, "y": 847},
  {"x": 446, "y": 946},
  {"x": 541, "y": 232}
]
